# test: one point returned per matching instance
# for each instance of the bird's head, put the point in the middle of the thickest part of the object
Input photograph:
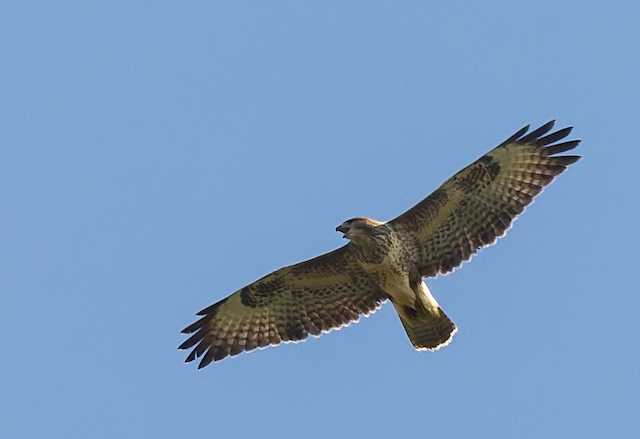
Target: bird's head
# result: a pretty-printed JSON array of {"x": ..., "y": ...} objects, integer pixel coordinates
[{"x": 358, "y": 229}]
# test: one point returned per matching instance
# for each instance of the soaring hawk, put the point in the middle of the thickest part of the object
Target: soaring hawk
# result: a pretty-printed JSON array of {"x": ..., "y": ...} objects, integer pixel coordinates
[{"x": 387, "y": 260}]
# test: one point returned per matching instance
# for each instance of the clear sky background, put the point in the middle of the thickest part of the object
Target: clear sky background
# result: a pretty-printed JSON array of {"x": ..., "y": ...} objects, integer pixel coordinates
[{"x": 156, "y": 157}]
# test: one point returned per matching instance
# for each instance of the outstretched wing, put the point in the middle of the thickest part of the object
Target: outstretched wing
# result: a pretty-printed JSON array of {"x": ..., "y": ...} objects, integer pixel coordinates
[
  {"x": 478, "y": 204},
  {"x": 311, "y": 297}
]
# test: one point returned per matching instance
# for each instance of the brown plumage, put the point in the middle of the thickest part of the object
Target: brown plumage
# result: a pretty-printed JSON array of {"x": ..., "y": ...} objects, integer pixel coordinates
[{"x": 387, "y": 260}]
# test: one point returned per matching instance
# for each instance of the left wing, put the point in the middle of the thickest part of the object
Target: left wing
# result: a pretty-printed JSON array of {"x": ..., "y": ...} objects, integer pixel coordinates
[
  {"x": 478, "y": 204},
  {"x": 311, "y": 297}
]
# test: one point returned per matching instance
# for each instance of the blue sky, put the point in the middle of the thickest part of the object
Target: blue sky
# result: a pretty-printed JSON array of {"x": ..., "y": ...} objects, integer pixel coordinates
[{"x": 155, "y": 158}]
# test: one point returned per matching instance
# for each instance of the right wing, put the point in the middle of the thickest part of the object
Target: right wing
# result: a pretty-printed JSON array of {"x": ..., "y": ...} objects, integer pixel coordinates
[{"x": 312, "y": 297}]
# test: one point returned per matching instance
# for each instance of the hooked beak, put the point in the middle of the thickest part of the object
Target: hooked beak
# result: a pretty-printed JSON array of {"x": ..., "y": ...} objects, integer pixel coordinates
[{"x": 342, "y": 229}]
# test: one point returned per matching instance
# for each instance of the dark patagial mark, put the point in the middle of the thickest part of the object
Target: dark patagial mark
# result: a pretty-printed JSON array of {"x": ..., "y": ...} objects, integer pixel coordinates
[
  {"x": 438, "y": 198},
  {"x": 261, "y": 293},
  {"x": 480, "y": 174},
  {"x": 492, "y": 165},
  {"x": 469, "y": 181},
  {"x": 266, "y": 288},
  {"x": 248, "y": 298}
]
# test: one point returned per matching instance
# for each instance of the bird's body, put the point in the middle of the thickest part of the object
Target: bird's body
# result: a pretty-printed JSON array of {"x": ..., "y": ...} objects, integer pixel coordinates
[
  {"x": 388, "y": 260},
  {"x": 388, "y": 257}
]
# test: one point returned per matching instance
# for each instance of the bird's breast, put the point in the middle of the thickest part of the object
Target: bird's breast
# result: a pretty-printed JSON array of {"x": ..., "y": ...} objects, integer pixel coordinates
[{"x": 393, "y": 282}]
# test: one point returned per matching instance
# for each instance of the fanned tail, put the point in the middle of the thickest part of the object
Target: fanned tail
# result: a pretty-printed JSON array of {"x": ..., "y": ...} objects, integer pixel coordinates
[{"x": 427, "y": 326}]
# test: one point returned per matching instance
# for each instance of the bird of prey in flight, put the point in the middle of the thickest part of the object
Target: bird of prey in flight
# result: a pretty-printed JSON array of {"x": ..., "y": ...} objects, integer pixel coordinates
[{"x": 388, "y": 260}]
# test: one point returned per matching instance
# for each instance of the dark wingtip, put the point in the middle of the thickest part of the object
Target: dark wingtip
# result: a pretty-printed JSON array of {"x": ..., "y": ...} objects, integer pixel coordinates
[
  {"x": 190, "y": 357},
  {"x": 561, "y": 147},
  {"x": 211, "y": 309},
  {"x": 540, "y": 138},
  {"x": 197, "y": 331},
  {"x": 553, "y": 137},
  {"x": 567, "y": 160},
  {"x": 535, "y": 134},
  {"x": 515, "y": 136},
  {"x": 208, "y": 358},
  {"x": 191, "y": 341},
  {"x": 195, "y": 326}
]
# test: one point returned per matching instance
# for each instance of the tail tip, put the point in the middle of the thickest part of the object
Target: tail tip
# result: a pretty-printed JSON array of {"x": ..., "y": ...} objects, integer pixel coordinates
[{"x": 436, "y": 344}]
